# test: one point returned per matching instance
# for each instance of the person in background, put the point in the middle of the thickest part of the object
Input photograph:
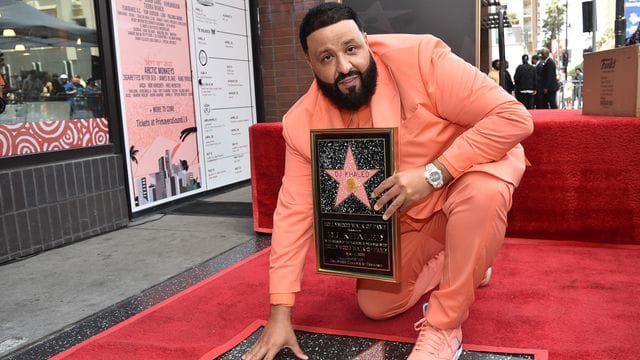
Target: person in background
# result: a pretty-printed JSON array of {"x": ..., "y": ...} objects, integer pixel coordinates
[
  {"x": 535, "y": 58},
  {"x": 69, "y": 91},
  {"x": 508, "y": 80},
  {"x": 526, "y": 82},
  {"x": 31, "y": 87},
  {"x": 538, "y": 98},
  {"x": 549, "y": 80},
  {"x": 78, "y": 81},
  {"x": 47, "y": 88},
  {"x": 460, "y": 160},
  {"x": 567, "y": 93},
  {"x": 494, "y": 72},
  {"x": 79, "y": 84},
  {"x": 57, "y": 93},
  {"x": 93, "y": 93},
  {"x": 2, "y": 84},
  {"x": 578, "y": 80}
]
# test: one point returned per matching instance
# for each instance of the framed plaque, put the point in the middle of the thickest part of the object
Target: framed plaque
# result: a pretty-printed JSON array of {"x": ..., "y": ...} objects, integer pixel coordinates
[{"x": 351, "y": 237}]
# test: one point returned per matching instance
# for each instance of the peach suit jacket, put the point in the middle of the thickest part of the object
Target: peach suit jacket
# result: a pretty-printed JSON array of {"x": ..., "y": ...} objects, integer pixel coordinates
[{"x": 443, "y": 108}]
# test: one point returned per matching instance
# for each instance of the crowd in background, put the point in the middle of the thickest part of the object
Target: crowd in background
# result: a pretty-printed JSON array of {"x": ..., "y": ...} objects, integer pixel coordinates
[
  {"x": 536, "y": 84},
  {"x": 84, "y": 97}
]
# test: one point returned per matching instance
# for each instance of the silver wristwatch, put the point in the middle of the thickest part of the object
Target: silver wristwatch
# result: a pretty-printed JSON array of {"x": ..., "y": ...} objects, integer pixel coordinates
[{"x": 433, "y": 176}]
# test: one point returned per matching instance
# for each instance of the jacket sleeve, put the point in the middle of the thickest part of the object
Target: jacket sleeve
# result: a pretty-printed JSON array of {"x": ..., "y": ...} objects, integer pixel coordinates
[
  {"x": 494, "y": 121},
  {"x": 550, "y": 75},
  {"x": 293, "y": 226}
]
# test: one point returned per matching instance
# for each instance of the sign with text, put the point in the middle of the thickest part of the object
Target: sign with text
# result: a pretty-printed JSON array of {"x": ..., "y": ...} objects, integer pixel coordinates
[
  {"x": 156, "y": 96},
  {"x": 187, "y": 95},
  {"x": 352, "y": 239},
  {"x": 223, "y": 83}
]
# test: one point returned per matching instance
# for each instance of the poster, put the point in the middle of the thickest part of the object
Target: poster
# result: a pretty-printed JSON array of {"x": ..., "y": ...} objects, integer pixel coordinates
[
  {"x": 632, "y": 14},
  {"x": 224, "y": 89},
  {"x": 187, "y": 95},
  {"x": 156, "y": 95}
]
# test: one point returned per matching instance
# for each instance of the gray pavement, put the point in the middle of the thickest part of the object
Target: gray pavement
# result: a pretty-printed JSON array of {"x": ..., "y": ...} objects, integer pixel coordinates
[{"x": 48, "y": 292}]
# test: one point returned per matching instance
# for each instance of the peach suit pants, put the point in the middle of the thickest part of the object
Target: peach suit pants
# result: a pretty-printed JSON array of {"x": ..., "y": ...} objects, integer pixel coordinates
[{"x": 469, "y": 230}]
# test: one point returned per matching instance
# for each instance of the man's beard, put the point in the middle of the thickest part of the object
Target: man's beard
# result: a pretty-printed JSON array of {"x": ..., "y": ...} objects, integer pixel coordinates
[{"x": 353, "y": 100}]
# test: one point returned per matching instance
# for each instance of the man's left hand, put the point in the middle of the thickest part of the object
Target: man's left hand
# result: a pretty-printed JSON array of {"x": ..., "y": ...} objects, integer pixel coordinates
[{"x": 401, "y": 190}]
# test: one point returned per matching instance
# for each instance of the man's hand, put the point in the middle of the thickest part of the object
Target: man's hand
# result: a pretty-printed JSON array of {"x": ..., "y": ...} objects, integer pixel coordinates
[
  {"x": 277, "y": 334},
  {"x": 401, "y": 190}
]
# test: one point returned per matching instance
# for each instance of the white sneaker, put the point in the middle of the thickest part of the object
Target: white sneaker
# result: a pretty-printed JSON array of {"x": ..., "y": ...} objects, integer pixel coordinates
[
  {"x": 487, "y": 278},
  {"x": 436, "y": 344}
]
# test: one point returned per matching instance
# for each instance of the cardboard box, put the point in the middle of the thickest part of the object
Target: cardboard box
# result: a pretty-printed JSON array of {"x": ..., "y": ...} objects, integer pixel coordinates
[{"x": 611, "y": 82}]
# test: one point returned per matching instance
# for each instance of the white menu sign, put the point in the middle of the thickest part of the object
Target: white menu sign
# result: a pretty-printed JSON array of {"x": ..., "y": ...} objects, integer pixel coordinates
[{"x": 220, "y": 34}]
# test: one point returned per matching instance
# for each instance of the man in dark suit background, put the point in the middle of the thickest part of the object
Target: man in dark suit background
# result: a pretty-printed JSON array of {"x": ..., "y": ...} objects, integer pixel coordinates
[
  {"x": 549, "y": 81},
  {"x": 526, "y": 82},
  {"x": 539, "y": 95}
]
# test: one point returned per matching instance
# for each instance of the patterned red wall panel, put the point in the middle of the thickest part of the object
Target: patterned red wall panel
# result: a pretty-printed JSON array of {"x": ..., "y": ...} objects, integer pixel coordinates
[{"x": 34, "y": 137}]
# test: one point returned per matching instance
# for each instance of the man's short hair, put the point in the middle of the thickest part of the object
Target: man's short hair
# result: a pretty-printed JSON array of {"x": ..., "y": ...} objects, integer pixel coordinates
[{"x": 323, "y": 15}]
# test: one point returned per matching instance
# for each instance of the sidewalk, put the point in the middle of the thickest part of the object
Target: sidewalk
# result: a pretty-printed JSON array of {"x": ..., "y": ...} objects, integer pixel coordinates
[{"x": 67, "y": 294}]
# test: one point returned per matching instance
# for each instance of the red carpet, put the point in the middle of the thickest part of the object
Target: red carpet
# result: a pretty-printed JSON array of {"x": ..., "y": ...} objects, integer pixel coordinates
[{"x": 577, "y": 300}]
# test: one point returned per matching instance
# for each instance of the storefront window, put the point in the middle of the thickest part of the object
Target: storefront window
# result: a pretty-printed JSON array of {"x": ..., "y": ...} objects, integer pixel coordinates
[{"x": 51, "y": 83}]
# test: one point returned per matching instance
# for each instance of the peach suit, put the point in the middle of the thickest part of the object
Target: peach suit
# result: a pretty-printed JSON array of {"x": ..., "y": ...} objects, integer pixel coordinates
[{"x": 446, "y": 109}]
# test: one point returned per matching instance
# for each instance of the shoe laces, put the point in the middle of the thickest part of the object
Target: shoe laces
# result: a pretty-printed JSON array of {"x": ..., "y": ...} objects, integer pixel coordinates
[{"x": 432, "y": 340}]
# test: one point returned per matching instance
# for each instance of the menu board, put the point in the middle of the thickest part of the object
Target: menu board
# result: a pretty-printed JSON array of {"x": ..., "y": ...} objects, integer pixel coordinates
[
  {"x": 223, "y": 88},
  {"x": 185, "y": 73}
]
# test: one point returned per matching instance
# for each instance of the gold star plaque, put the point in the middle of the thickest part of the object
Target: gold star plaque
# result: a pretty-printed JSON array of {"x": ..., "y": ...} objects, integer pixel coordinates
[{"x": 351, "y": 237}]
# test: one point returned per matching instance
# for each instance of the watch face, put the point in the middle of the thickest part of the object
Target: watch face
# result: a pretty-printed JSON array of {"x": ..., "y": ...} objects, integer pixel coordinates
[{"x": 434, "y": 177}]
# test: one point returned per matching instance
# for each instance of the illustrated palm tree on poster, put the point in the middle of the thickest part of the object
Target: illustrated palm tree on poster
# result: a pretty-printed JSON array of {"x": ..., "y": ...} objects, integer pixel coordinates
[{"x": 133, "y": 153}]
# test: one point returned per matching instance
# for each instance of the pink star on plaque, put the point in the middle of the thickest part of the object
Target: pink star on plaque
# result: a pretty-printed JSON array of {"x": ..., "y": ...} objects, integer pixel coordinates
[{"x": 351, "y": 180}]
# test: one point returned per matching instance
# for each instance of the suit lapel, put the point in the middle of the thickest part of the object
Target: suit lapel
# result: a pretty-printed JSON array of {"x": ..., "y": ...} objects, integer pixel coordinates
[
  {"x": 386, "y": 108},
  {"x": 326, "y": 115}
]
